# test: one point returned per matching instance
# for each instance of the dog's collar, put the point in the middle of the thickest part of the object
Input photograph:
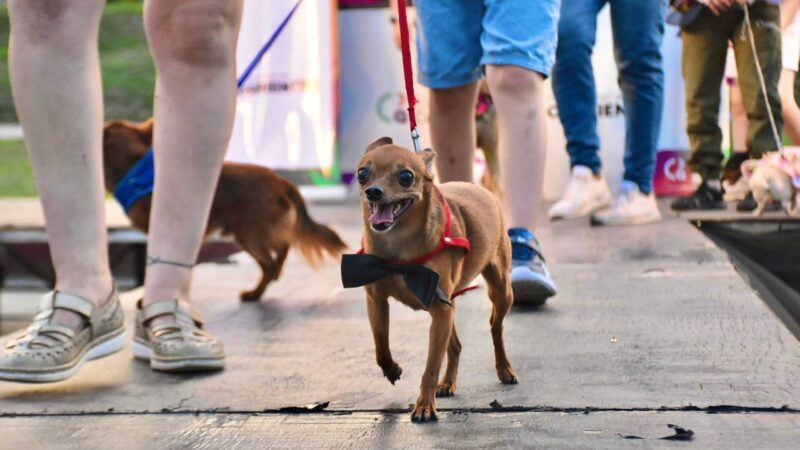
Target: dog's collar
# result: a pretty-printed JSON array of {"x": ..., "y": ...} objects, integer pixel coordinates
[
  {"x": 418, "y": 279},
  {"x": 137, "y": 183}
]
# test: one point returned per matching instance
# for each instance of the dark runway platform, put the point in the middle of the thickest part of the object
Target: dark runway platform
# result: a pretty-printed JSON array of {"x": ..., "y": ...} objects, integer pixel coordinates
[{"x": 652, "y": 326}]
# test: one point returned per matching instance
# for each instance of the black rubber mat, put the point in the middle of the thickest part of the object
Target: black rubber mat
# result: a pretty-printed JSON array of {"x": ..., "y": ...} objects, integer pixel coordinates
[{"x": 767, "y": 253}]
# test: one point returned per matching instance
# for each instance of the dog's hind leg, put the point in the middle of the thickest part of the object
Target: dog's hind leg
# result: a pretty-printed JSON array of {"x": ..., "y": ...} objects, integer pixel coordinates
[
  {"x": 264, "y": 257},
  {"x": 256, "y": 293},
  {"x": 277, "y": 264},
  {"x": 447, "y": 387},
  {"x": 499, "y": 287},
  {"x": 378, "y": 312}
]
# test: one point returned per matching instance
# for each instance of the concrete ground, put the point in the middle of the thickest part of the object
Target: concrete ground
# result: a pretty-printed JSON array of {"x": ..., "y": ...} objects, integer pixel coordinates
[{"x": 652, "y": 326}]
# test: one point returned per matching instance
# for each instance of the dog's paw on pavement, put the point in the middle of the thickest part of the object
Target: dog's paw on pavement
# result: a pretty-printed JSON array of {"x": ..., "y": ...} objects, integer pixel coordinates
[
  {"x": 445, "y": 389},
  {"x": 393, "y": 372},
  {"x": 507, "y": 375},
  {"x": 424, "y": 413}
]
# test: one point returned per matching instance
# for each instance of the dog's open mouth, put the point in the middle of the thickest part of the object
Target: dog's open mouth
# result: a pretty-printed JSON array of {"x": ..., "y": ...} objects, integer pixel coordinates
[{"x": 384, "y": 215}]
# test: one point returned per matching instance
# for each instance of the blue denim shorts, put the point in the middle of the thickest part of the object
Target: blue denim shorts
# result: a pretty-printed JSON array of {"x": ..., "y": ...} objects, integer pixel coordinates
[{"x": 456, "y": 38}]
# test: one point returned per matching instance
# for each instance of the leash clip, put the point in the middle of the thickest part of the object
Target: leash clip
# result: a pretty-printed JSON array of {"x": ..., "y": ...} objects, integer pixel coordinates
[{"x": 415, "y": 140}]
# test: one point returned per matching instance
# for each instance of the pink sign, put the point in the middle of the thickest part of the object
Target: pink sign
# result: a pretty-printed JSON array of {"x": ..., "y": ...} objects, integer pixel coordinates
[{"x": 672, "y": 175}]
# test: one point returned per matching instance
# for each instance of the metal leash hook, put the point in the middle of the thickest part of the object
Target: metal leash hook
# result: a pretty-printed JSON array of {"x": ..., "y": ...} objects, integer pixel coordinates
[{"x": 415, "y": 140}]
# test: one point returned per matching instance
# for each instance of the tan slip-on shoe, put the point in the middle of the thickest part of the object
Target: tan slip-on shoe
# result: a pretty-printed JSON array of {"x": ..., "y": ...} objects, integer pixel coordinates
[
  {"x": 47, "y": 352},
  {"x": 180, "y": 346}
]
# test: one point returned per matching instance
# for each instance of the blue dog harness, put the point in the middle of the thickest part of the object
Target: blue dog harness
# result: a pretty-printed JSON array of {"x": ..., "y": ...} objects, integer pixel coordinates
[{"x": 137, "y": 183}]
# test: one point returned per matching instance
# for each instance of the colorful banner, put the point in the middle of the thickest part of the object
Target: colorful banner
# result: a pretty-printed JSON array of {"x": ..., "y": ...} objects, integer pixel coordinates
[{"x": 287, "y": 109}]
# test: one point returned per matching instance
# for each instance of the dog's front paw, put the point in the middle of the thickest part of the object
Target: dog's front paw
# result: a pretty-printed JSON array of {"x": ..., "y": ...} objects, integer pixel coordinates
[
  {"x": 423, "y": 412},
  {"x": 507, "y": 375},
  {"x": 446, "y": 389},
  {"x": 392, "y": 371}
]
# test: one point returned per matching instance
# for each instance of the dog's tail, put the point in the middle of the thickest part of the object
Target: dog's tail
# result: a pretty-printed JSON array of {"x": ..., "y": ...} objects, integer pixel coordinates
[{"x": 315, "y": 241}]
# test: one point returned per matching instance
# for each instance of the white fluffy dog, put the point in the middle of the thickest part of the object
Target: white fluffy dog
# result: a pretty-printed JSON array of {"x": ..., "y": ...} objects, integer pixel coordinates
[{"x": 774, "y": 178}]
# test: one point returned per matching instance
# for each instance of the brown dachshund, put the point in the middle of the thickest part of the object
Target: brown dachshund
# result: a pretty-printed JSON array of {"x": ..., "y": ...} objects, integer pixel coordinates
[
  {"x": 406, "y": 217},
  {"x": 262, "y": 211}
]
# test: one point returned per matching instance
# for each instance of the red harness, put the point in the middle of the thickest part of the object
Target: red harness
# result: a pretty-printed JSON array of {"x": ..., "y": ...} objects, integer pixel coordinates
[{"x": 447, "y": 240}]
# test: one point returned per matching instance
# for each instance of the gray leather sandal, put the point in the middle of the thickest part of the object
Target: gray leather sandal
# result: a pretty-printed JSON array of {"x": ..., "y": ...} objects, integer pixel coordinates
[
  {"x": 48, "y": 352},
  {"x": 180, "y": 346}
]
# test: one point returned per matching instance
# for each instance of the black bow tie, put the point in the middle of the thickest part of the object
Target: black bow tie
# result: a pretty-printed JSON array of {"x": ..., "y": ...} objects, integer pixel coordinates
[{"x": 363, "y": 269}]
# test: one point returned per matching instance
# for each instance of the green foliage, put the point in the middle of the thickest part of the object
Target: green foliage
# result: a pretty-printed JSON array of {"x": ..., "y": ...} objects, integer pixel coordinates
[
  {"x": 16, "y": 179},
  {"x": 128, "y": 74}
]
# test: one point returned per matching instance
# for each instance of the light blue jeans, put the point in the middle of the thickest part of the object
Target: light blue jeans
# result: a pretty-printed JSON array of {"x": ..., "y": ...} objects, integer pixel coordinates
[{"x": 638, "y": 28}]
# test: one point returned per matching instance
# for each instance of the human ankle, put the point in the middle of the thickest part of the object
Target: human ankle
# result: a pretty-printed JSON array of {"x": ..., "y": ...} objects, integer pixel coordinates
[
  {"x": 164, "y": 282},
  {"x": 98, "y": 291}
]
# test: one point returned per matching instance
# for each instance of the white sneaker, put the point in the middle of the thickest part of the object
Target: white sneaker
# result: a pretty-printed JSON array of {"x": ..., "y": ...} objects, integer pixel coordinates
[
  {"x": 585, "y": 194},
  {"x": 631, "y": 207}
]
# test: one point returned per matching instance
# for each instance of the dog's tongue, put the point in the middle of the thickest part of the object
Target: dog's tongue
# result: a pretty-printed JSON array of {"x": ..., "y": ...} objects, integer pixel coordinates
[{"x": 383, "y": 214}]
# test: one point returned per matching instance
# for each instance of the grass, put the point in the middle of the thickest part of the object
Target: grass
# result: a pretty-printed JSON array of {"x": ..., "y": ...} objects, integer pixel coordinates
[
  {"x": 128, "y": 81},
  {"x": 16, "y": 179},
  {"x": 128, "y": 73}
]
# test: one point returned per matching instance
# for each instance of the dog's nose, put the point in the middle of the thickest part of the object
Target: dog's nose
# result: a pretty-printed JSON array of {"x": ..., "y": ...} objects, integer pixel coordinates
[{"x": 374, "y": 193}]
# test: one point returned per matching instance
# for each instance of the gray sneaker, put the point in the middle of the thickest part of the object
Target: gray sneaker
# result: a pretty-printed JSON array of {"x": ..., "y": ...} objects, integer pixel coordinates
[
  {"x": 530, "y": 279},
  {"x": 181, "y": 346},
  {"x": 48, "y": 352}
]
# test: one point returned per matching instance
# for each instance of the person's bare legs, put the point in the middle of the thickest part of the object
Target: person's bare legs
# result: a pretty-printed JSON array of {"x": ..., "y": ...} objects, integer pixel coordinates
[
  {"x": 791, "y": 112},
  {"x": 193, "y": 46},
  {"x": 518, "y": 95},
  {"x": 452, "y": 128},
  {"x": 55, "y": 79},
  {"x": 738, "y": 119}
]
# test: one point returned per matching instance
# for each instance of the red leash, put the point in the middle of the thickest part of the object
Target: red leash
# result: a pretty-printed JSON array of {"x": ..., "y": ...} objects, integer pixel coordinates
[{"x": 408, "y": 72}]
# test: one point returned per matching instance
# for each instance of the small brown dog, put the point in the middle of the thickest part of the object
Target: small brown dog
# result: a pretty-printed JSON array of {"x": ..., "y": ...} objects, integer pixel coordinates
[
  {"x": 264, "y": 212},
  {"x": 406, "y": 216}
]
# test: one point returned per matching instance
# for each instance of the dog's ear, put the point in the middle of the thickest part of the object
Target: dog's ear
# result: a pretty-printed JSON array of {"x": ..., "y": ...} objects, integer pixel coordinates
[
  {"x": 379, "y": 143},
  {"x": 427, "y": 156},
  {"x": 145, "y": 130}
]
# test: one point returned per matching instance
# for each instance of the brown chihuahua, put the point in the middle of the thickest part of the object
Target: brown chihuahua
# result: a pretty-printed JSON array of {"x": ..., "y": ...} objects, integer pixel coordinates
[
  {"x": 264, "y": 212},
  {"x": 456, "y": 230}
]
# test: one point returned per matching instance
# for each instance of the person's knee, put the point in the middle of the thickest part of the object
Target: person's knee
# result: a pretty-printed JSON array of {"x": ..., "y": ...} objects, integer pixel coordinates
[
  {"x": 197, "y": 33},
  {"x": 514, "y": 81},
  {"x": 62, "y": 22}
]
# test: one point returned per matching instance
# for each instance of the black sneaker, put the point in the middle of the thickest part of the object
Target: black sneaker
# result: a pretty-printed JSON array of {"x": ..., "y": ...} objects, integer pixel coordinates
[
  {"x": 705, "y": 197},
  {"x": 747, "y": 204}
]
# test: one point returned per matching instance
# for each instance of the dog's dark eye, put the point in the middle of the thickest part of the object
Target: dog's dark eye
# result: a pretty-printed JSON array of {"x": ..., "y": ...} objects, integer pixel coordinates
[
  {"x": 362, "y": 175},
  {"x": 406, "y": 178}
]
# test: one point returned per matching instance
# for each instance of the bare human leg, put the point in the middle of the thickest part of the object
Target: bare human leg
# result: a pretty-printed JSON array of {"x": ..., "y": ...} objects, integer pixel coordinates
[
  {"x": 452, "y": 128},
  {"x": 55, "y": 79},
  {"x": 193, "y": 47},
  {"x": 518, "y": 94},
  {"x": 791, "y": 112}
]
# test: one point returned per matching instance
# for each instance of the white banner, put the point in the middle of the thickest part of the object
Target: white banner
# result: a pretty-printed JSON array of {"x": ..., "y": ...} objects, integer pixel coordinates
[{"x": 286, "y": 110}]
